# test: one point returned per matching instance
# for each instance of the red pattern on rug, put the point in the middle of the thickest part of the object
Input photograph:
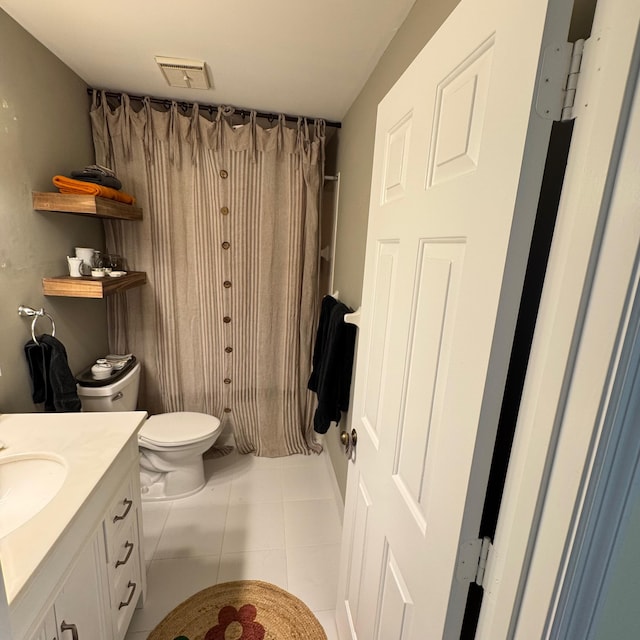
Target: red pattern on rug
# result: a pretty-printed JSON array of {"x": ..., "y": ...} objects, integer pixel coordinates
[{"x": 245, "y": 616}]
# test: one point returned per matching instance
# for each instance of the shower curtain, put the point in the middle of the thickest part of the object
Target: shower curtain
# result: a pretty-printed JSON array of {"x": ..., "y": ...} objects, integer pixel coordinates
[{"x": 229, "y": 242}]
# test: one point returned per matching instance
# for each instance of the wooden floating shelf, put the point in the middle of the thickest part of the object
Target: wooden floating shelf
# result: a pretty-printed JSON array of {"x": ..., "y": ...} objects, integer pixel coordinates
[
  {"x": 88, "y": 287},
  {"x": 85, "y": 205}
]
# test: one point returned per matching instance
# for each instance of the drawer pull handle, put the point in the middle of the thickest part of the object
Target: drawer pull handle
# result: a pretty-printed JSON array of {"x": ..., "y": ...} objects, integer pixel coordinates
[
  {"x": 129, "y": 546},
  {"x": 132, "y": 586},
  {"x": 128, "y": 503},
  {"x": 69, "y": 627}
]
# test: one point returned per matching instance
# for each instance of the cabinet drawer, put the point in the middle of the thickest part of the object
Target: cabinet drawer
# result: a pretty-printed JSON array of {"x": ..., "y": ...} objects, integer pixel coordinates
[
  {"x": 125, "y": 593},
  {"x": 124, "y": 554},
  {"x": 121, "y": 512}
]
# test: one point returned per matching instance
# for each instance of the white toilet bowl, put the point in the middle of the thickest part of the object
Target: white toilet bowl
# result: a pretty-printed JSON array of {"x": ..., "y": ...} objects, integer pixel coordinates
[
  {"x": 171, "y": 444},
  {"x": 171, "y": 447}
]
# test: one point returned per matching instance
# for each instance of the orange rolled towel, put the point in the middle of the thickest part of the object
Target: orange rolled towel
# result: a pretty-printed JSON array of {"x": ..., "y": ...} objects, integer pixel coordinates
[{"x": 69, "y": 185}]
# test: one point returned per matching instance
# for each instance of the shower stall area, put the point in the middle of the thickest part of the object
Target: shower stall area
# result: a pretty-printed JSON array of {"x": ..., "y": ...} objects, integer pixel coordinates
[{"x": 238, "y": 241}]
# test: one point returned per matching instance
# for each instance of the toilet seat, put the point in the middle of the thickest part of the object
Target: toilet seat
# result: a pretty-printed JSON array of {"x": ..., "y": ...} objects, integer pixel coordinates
[{"x": 178, "y": 429}]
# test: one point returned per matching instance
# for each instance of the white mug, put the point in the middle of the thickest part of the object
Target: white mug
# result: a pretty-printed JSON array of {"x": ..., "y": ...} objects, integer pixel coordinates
[
  {"x": 87, "y": 255},
  {"x": 75, "y": 267}
]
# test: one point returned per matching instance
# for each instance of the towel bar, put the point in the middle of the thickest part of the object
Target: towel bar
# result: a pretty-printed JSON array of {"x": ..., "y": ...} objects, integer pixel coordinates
[{"x": 36, "y": 313}]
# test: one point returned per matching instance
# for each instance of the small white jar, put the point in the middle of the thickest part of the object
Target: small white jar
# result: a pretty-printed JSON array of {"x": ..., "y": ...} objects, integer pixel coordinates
[{"x": 101, "y": 369}]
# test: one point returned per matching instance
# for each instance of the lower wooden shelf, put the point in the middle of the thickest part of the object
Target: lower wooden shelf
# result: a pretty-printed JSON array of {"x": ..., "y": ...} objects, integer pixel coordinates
[{"x": 88, "y": 287}]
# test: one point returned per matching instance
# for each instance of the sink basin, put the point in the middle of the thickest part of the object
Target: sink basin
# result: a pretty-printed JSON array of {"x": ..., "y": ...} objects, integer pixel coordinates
[{"x": 28, "y": 481}]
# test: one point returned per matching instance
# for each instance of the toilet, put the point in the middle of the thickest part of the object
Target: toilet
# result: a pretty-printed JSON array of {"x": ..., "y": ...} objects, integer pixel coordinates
[
  {"x": 171, "y": 444},
  {"x": 171, "y": 447}
]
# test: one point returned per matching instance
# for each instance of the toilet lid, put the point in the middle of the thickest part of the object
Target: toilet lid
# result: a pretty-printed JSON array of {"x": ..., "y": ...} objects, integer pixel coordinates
[{"x": 178, "y": 428}]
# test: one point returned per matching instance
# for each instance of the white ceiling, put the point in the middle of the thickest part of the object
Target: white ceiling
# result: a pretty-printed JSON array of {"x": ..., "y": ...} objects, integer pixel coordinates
[{"x": 292, "y": 56}]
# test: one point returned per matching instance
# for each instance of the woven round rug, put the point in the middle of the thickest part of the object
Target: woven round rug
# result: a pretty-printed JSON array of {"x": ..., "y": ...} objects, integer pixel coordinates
[{"x": 241, "y": 610}]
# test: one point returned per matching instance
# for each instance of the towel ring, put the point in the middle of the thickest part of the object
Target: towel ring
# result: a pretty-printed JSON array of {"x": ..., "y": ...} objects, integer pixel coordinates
[{"x": 36, "y": 313}]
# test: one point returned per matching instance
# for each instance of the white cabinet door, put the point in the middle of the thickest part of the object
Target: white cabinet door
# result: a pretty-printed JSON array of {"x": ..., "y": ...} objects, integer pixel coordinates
[
  {"x": 47, "y": 629},
  {"x": 80, "y": 606},
  {"x": 458, "y": 163}
]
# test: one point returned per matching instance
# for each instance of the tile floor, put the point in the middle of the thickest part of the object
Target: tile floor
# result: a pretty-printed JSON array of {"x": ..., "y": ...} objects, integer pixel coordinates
[{"x": 272, "y": 519}]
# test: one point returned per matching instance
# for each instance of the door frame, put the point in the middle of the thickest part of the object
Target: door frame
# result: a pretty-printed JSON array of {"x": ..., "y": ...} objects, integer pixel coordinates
[
  {"x": 584, "y": 314},
  {"x": 610, "y": 499}
]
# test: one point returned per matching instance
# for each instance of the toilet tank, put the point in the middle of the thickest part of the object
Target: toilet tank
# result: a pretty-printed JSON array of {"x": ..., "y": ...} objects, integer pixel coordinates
[{"x": 121, "y": 395}]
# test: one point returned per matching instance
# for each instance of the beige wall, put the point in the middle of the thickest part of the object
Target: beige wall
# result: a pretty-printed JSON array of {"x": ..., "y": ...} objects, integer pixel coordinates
[
  {"x": 355, "y": 157},
  {"x": 44, "y": 130}
]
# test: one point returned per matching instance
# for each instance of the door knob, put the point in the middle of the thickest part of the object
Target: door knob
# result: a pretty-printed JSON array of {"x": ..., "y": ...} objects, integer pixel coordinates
[{"x": 349, "y": 441}]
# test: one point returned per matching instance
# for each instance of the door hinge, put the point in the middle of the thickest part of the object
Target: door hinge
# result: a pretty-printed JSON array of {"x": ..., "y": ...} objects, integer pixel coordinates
[
  {"x": 558, "y": 81},
  {"x": 473, "y": 557}
]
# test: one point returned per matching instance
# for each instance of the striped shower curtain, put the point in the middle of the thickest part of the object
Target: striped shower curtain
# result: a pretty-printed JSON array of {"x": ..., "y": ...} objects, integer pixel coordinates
[{"x": 229, "y": 242}]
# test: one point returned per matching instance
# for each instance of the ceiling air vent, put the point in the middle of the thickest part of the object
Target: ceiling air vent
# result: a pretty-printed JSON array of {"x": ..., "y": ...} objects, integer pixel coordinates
[{"x": 188, "y": 74}]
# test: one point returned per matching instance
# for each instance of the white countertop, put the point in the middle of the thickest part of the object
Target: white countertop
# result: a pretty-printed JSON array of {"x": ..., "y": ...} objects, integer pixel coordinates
[{"x": 89, "y": 443}]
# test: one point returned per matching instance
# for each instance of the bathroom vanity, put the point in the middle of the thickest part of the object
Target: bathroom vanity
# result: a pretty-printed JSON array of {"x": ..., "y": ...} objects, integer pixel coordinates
[{"x": 75, "y": 570}]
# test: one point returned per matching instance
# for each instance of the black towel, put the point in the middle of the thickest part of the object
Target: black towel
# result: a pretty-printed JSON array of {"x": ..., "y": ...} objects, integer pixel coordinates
[
  {"x": 97, "y": 178},
  {"x": 38, "y": 358},
  {"x": 332, "y": 363},
  {"x": 52, "y": 380}
]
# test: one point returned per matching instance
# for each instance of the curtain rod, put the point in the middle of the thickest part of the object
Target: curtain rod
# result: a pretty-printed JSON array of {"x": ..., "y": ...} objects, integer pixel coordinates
[{"x": 212, "y": 107}]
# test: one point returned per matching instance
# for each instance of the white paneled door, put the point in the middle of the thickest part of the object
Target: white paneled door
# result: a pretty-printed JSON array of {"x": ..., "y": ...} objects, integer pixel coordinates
[{"x": 458, "y": 161}]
